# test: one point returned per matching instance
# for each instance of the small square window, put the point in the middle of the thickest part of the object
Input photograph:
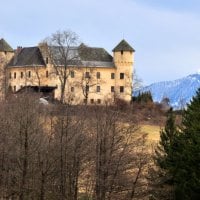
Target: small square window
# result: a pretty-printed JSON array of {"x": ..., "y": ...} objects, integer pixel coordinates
[
  {"x": 121, "y": 89},
  {"x": 112, "y": 75},
  {"x": 72, "y": 74},
  {"x": 112, "y": 89},
  {"x": 98, "y": 75},
  {"x": 121, "y": 75},
  {"x": 98, "y": 88},
  {"x": 91, "y": 101},
  {"x": 99, "y": 101},
  {"x": 87, "y": 75},
  {"x": 72, "y": 89}
]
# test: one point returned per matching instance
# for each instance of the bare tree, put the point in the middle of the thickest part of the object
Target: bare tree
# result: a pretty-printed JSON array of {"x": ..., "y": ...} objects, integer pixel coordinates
[{"x": 63, "y": 56}]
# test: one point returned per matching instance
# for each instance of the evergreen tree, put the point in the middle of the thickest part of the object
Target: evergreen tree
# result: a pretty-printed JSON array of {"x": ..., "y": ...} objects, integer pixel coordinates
[
  {"x": 167, "y": 137},
  {"x": 181, "y": 157},
  {"x": 186, "y": 168}
]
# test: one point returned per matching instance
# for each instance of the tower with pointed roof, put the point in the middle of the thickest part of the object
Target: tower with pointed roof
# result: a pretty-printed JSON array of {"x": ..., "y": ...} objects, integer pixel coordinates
[
  {"x": 6, "y": 54},
  {"x": 123, "y": 57},
  {"x": 6, "y": 51}
]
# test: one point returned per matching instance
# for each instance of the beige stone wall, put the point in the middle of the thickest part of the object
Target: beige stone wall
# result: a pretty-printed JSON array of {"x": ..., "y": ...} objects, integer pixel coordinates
[
  {"x": 5, "y": 58},
  {"x": 74, "y": 86}
]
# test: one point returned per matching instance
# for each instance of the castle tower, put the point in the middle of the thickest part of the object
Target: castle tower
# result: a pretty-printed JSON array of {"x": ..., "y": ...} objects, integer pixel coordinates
[
  {"x": 6, "y": 51},
  {"x": 6, "y": 54},
  {"x": 123, "y": 55}
]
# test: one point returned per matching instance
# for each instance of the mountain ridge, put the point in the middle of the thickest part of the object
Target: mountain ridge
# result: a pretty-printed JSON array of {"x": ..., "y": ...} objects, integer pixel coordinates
[{"x": 179, "y": 91}]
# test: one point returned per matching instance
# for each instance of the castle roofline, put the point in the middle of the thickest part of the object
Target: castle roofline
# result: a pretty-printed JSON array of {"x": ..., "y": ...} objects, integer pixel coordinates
[
  {"x": 123, "y": 46},
  {"x": 4, "y": 46}
]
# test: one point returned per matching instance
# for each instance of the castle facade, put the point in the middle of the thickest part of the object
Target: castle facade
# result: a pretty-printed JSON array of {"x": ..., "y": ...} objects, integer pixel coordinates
[{"x": 94, "y": 77}]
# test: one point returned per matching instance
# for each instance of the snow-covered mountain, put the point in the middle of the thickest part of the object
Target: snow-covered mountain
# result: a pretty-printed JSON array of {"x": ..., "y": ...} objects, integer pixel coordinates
[{"x": 179, "y": 91}]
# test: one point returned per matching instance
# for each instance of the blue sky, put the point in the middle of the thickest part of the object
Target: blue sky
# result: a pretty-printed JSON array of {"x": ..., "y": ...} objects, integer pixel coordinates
[{"x": 165, "y": 33}]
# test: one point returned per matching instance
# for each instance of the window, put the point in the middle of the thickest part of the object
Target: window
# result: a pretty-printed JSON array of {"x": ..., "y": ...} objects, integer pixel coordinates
[
  {"x": 22, "y": 74},
  {"x": 47, "y": 74},
  {"x": 122, "y": 52},
  {"x": 99, "y": 101},
  {"x": 112, "y": 89},
  {"x": 14, "y": 88},
  {"x": 121, "y": 75},
  {"x": 72, "y": 74},
  {"x": 47, "y": 60},
  {"x": 72, "y": 89},
  {"x": 91, "y": 101},
  {"x": 87, "y": 88},
  {"x": 29, "y": 74},
  {"x": 112, "y": 75},
  {"x": 87, "y": 75},
  {"x": 85, "y": 101},
  {"x": 98, "y": 75},
  {"x": 98, "y": 88},
  {"x": 14, "y": 74},
  {"x": 21, "y": 86},
  {"x": 10, "y": 75},
  {"x": 121, "y": 89}
]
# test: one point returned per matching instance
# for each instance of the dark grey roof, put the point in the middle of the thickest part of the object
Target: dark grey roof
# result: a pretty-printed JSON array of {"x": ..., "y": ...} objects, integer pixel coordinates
[
  {"x": 28, "y": 56},
  {"x": 82, "y": 56},
  {"x": 4, "y": 46},
  {"x": 123, "y": 46},
  {"x": 94, "y": 54},
  {"x": 77, "y": 56}
]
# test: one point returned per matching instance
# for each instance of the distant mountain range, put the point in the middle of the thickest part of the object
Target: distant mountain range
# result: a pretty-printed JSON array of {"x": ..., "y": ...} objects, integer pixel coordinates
[{"x": 179, "y": 91}]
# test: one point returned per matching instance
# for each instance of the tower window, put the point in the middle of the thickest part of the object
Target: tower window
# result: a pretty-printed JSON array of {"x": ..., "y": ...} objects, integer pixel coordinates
[
  {"x": 98, "y": 88},
  {"x": 121, "y": 75},
  {"x": 47, "y": 74},
  {"x": 15, "y": 75},
  {"x": 121, "y": 89},
  {"x": 29, "y": 74},
  {"x": 112, "y": 89},
  {"x": 98, "y": 75},
  {"x": 72, "y": 74},
  {"x": 22, "y": 74},
  {"x": 112, "y": 75}
]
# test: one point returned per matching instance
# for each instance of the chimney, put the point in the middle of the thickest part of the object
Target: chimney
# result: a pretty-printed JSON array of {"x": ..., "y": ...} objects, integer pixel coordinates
[{"x": 18, "y": 50}]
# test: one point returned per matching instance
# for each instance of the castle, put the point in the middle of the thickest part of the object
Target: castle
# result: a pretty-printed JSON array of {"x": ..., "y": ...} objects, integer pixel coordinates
[{"x": 94, "y": 77}]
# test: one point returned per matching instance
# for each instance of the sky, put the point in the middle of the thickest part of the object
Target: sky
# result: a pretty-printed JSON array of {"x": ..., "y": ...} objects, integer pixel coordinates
[{"x": 164, "y": 33}]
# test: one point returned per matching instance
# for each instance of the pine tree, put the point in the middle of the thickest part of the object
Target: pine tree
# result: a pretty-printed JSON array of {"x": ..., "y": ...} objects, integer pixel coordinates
[
  {"x": 181, "y": 152},
  {"x": 167, "y": 136},
  {"x": 186, "y": 168}
]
